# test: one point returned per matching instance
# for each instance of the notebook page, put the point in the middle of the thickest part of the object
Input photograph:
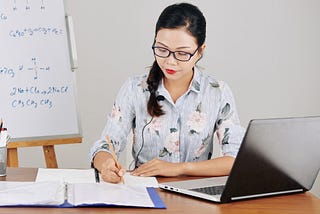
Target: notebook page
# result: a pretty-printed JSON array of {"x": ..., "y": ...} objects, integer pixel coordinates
[
  {"x": 66, "y": 175},
  {"x": 140, "y": 181},
  {"x": 31, "y": 193},
  {"x": 107, "y": 193}
]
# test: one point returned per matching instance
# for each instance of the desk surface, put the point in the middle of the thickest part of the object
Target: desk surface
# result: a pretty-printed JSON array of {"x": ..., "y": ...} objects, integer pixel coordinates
[{"x": 176, "y": 203}]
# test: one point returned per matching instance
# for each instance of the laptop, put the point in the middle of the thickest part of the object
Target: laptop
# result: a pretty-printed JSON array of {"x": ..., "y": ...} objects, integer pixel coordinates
[{"x": 277, "y": 156}]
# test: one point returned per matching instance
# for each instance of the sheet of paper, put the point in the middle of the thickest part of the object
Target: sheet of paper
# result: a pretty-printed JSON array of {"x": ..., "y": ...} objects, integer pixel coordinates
[
  {"x": 31, "y": 193},
  {"x": 88, "y": 176},
  {"x": 66, "y": 175},
  {"x": 140, "y": 181},
  {"x": 107, "y": 193}
]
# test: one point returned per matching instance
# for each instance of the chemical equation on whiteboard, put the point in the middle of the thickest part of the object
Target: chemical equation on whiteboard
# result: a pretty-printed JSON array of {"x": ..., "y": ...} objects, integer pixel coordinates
[
  {"x": 36, "y": 97},
  {"x": 34, "y": 90},
  {"x": 34, "y": 69},
  {"x": 32, "y": 103},
  {"x": 42, "y": 31}
]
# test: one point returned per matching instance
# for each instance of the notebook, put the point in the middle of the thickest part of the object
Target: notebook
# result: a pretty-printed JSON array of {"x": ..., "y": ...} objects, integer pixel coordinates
[
  {"x": 277, "y": 156},
  {"x": 68, "y": 195}
]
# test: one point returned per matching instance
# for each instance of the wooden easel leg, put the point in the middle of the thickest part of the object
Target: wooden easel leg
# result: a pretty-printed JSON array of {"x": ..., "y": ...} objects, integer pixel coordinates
[
  {"x": 50, "y": 156},
  {"x": 12, "y": 157}
]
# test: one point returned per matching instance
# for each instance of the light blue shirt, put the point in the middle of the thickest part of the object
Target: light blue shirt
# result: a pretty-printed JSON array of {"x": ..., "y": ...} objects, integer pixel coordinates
[{"x": 184, "y": 133}]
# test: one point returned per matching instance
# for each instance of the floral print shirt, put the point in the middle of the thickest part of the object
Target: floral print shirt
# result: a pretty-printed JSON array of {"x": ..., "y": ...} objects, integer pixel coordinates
[{"x": 185, "y": 133}]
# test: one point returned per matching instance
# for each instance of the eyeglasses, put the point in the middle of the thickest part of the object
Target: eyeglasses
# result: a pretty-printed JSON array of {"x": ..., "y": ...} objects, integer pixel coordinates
[{"x": 178, "y": 55}]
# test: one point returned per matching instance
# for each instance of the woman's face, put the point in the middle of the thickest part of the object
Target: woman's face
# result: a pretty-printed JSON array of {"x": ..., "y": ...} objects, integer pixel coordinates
[{"x": 177, "y": 40}]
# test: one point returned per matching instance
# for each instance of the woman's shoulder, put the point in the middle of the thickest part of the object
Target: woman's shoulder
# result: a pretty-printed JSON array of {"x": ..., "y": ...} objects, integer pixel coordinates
[
  {"x": 137, "y": 82},
  {"x": 210, "y": 81},
  {"x": 139, "y": 78}
]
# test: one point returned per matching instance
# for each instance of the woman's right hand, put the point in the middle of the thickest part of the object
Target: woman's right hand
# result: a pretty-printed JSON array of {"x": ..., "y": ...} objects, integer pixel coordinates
[
  {"x": 107, "y": 167},
  {"x": 110, "y": 173}
]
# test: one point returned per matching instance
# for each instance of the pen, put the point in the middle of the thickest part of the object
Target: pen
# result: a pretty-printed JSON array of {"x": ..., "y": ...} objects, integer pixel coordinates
[
  {"x": 96, "y": 173},
  {"x": 113, "y": 154},
  {"x": 1, "y": 124}
]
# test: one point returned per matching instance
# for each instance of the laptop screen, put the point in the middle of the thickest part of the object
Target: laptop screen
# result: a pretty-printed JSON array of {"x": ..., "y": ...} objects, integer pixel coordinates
[{"x": 276, "y": 155}]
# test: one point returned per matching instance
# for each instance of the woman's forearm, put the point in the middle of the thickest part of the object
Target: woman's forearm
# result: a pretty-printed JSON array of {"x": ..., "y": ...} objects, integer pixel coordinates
[{"x": 215, "y": 167}]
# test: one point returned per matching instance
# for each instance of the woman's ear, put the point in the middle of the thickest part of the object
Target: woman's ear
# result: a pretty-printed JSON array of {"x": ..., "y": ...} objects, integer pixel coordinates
[
  {"x": 200, "y": 52},
  {"x": 201, "y": 49}
]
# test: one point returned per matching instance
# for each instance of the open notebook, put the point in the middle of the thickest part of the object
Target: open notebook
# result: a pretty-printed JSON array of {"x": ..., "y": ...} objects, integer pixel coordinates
[
  {"x": 78, "y": 187},
  {"x": 60, "y": 194}
]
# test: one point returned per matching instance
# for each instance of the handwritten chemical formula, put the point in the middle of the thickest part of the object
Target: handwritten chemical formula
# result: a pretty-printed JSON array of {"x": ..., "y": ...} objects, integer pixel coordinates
[
  {"x": 36, "y": 76},
  {"x": 34, "y": 96},
  {"x": 34, "y": 69}
]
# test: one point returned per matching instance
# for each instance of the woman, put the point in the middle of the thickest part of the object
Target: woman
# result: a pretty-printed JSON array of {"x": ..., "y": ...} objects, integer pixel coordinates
[{"x": 174, "y": 111}]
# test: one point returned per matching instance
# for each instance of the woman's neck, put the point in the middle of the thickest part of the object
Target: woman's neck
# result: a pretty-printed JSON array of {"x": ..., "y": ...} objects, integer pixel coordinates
[{"x": 177, "y": 88}]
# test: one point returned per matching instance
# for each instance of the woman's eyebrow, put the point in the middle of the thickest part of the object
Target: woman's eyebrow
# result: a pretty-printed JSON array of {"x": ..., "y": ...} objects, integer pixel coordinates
[{"x": 182, "y": 47}]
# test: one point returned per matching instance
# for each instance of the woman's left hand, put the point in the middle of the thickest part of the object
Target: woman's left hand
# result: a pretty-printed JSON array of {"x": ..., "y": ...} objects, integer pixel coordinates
[{"x": 157, "y": 167}]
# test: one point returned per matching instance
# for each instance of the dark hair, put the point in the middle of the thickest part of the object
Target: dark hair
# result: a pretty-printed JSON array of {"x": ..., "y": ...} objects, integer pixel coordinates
[{"x": 172, "y": 17}]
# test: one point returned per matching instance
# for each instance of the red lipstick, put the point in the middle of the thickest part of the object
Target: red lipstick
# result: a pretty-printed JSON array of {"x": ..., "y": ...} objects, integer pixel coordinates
[{"x": 170, "y": 71}]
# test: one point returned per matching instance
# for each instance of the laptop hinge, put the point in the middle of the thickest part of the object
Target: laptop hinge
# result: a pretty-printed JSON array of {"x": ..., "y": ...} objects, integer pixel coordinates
[{"x": 266, "y": 194}]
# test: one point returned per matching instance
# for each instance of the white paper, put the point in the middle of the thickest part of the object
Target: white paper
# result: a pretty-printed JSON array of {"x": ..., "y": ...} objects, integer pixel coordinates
[
  {"x": 107, "y": 193},
  {"x": 66, "y": 175},
  {"x": 31, "y": 193},
  {"x": 3, "y": 138},
  {"x": 88, "y": 176},
  {"x": 131, "y": 180}
]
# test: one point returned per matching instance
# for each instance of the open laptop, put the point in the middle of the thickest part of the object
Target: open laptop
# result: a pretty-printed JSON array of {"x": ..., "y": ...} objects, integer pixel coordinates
[{"x": 277, "y": 156}]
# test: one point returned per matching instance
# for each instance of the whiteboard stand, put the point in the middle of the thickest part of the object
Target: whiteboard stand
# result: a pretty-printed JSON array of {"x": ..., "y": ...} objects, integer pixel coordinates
[{"x": 48, "y": 150}]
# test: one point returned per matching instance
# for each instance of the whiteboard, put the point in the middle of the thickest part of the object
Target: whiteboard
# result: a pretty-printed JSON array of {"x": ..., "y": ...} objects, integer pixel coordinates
[{"x": 38, "y": 94}]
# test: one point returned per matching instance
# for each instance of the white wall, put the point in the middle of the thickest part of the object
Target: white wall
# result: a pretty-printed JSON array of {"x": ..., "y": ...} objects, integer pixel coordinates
[{"x": 268, "y": 51}]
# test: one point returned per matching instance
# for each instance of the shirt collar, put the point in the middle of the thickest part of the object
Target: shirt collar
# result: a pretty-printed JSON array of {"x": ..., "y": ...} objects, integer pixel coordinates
[{"x": 194, "y": 85}]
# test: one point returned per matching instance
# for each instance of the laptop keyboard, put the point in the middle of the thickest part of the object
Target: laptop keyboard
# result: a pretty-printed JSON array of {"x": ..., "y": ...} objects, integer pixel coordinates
[{"x": 212, "y": 190}]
